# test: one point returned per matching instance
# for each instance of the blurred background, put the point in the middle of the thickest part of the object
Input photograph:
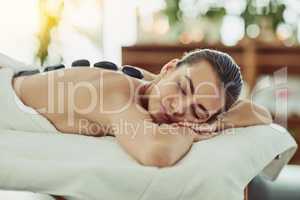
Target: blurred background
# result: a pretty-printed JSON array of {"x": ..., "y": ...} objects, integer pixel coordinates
[{"x": 263, "y": 36}]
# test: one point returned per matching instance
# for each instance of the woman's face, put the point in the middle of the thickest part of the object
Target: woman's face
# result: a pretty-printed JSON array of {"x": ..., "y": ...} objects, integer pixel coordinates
[{"x": 188, "y": 93}]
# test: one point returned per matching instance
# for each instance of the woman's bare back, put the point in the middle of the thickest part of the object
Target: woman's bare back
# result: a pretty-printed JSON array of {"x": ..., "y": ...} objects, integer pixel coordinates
[{"x": 66, "y": 96}]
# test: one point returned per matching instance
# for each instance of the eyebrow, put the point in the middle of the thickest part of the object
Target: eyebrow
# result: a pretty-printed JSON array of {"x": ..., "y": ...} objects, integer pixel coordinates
[
  {"x": 193, "y": 92},
  {"x": 191, "y": 83},
  {"x": 204, "y": 109}
]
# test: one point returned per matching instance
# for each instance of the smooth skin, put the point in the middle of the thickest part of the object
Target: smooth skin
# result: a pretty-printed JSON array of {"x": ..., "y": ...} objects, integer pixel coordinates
[{"x": 156, "y": 121}]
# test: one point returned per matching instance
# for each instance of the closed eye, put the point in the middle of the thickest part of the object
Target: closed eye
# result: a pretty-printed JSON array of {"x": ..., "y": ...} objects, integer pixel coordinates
[
  {"x": 200, "y": 111},
  {"x": 181, "y": 88},
  {"x": 191, "y": 84}
]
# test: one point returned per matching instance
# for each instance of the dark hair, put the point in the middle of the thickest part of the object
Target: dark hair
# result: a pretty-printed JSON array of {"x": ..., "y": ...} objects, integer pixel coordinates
[{"x": 226, "y": 68}]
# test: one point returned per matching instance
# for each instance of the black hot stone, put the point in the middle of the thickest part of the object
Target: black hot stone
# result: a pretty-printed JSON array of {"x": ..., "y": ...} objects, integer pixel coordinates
[
  {"x": 81, "y": 63},
  {"x": 106, "y": 65},
  {"x": 54, "y": 67},
  {"x": 131, "y": 71},
  {"x": 27, "y": 73}
]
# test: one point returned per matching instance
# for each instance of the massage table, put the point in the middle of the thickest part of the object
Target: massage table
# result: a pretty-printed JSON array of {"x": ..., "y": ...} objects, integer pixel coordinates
[
  {"x": 286, "y": 187},
  {"x": 61, "y": 165}
]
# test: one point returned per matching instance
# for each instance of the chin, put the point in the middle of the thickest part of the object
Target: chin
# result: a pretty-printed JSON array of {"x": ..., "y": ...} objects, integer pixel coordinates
[
  {"x": 162, "y": 118},
  {"x": 157, "y": 113},
  {"x": 159, "y": 120}
]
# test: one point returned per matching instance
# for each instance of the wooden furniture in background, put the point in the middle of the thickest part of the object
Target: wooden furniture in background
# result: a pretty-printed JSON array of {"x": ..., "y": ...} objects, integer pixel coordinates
[
  {"x": 152, "y": 57},
  {"x": 253, "y": 58}
]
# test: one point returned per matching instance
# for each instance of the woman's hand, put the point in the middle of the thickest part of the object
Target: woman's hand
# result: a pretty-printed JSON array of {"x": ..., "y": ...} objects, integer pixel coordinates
[
  {"x": 200, "y": 131},
  {"x": 242, "y": 114}
]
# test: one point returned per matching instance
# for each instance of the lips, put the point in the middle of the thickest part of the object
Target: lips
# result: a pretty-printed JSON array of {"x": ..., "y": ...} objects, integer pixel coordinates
[{"x": 163, "y": 116}]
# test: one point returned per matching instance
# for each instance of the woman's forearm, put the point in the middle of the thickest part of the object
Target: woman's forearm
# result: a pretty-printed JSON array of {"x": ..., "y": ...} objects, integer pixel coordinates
[
  {"x": 170, "y": 145},
  {"x": 244, "y": 113},
  {"x": 154, "y": 145}
]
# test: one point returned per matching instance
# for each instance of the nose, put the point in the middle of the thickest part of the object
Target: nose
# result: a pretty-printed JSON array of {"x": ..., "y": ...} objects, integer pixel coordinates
[
  {"x": 177, "y": 106},
  {"x": 181, "y": 109},
  {"x": 177, "y": 109}
]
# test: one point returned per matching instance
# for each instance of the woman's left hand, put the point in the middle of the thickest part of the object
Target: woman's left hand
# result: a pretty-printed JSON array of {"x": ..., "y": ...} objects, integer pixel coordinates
[
  {"x": 203, "y": 130},
  {"x": 199, "y": 127}
]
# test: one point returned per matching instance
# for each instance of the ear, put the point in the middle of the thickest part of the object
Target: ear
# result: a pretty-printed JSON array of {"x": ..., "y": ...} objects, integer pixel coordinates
[{"x": 170, "y": 66}]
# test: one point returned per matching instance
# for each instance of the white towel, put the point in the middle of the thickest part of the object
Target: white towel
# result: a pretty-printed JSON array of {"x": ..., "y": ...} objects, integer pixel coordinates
[
  {"x": 86, "y": 168},
  {"x": 14, "y": 114}
]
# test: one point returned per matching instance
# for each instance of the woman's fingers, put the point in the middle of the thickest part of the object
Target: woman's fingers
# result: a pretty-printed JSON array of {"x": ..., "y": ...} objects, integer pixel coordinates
[
  {"x": 203, "y": 127},
  {"x": 203, "y": 136},
  {"x": 199, "y": 131}
]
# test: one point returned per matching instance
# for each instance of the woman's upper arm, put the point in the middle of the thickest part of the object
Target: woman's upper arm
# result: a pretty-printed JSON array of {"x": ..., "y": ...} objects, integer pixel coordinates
[
  {"x": 149, "y": 143},
  {"x": 136, "y": 135},
  {"x": 246, "y": 113},
  {"x": 255, "y": 111}
]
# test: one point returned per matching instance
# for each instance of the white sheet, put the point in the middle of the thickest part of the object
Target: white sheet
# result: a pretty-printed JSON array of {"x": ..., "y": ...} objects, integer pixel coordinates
[
  {"x": 85, "y": 168},
  {"x": 17, "y": 195},
  {"x": 14, "y": 115},
  {"x": 6, "y": 61}
]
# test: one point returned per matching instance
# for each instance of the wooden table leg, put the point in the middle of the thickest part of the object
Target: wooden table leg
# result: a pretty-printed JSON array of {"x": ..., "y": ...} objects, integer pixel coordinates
[
  {"x": 246, "y": 193},
  {"x": 58, "y": 198}
]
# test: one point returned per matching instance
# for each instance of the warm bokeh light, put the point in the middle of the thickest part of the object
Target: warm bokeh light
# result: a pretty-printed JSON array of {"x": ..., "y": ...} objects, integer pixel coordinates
[
  {"x": 232, "y": 30},
  {"x": 185, "y": 38},
  {"x": 260, "y": 19},
  {"x": 235, "y": 7},
  {"x": 298, "y": 35},
  {"x": 253, "y": 30},
  {"x": 96, "y": 26},
  {"x": 284, "y": 31},
  {"x": 161, "y": 26}
]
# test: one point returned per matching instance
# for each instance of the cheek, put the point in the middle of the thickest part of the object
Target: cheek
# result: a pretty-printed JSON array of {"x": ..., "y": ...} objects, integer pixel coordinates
[
  {"x": 167, "y": 88},
  {"x": 154, "y": 99},
  {"x": 159, "y": 93},
  {"x": 163, "y": 89}
]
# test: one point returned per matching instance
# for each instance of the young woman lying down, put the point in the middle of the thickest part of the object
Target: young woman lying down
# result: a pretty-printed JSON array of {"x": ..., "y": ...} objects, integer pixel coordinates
[{"x": 155, "y": 120}]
